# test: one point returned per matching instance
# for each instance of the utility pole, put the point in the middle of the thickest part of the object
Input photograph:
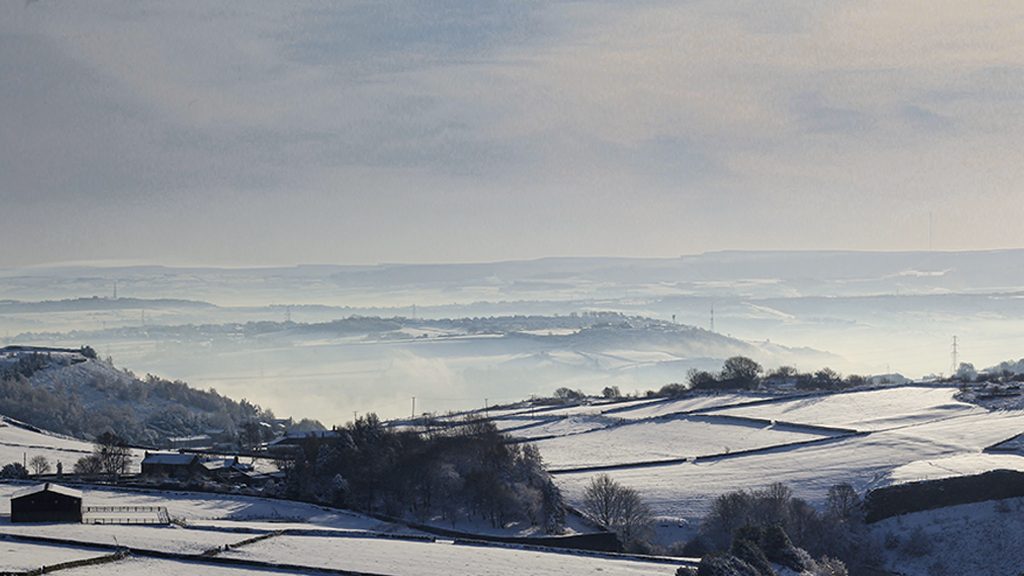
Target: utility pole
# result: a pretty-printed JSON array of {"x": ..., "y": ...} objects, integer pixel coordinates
[
  {"x": 487, "y": 409},
  {"x": 413, "y": 407},
  {"x": 955, "y": 364}
]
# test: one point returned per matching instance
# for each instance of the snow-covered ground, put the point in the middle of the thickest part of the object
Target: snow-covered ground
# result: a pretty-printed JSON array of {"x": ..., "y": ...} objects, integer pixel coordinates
[
  {"x": 649, "y": 409},
  {"x": 155, "y": 566},
  {"x": 686, "y": 490},
  {"x": 870, "y": 410},
  {"x": 663, "y": 439},
  {"x": 23, "y": 556},
  {"x": 354, "y": 546},
  {"x": 408, "y": 558},
  {"x": 194, "y": 506},
  {"x": 162, "y": 538},
  {"x": 959, "y": 465},
  {"x": 980, "y": 538},
  {"x": 19, "y": 444},
  {"x": 566, "y": 426}
]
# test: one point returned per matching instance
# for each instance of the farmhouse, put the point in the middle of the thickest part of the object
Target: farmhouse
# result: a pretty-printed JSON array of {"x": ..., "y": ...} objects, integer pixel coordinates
[
  {"x": 47, "y": 503},
  {"x": 172, "y": 465}
]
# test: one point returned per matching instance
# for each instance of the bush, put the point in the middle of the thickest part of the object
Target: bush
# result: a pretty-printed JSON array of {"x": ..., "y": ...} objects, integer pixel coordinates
[
  {"x": 14, "y": 471},
  {"x": 751, "y": 553},
  {"x": 918, "y": 544},
  {"x": 725, "y": 565}
]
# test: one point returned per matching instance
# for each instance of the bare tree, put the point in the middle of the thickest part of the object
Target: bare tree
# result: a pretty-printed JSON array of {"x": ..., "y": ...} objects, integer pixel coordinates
[
  {"x": 843, "y": 502},
  {"x": 39, "y": 464},
  {"x": 617, "y": 508},
  {"x": 88, "y": 465},
  {"x": 114, "y": 457}
]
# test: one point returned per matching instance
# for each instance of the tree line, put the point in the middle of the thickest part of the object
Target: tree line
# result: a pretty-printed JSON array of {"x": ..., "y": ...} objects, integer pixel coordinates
[{"x": 469, "y": 472}]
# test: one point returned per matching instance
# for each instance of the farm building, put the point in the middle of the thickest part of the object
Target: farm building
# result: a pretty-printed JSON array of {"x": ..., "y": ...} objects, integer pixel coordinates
[
  {"x": 172, "y": 465},
  {"x": 47, "y": 503}
]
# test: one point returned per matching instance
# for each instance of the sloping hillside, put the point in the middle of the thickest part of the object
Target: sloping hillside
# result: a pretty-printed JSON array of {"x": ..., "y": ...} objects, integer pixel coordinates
[{"x": 76, "y": 394}]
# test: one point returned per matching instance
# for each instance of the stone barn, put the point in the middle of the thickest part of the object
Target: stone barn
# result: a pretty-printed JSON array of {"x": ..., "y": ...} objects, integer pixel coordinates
[{"x": 47, "y": 503}]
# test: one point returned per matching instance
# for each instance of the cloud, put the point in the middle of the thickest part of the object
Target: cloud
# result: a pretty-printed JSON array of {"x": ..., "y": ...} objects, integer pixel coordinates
[{"x": 298, "y": 126}]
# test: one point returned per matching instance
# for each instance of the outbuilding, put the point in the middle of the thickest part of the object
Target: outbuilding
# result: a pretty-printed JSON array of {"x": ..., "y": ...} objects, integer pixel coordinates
[
  {"x": 172, "y": 465},
  {"x": 47, "y": 503}
]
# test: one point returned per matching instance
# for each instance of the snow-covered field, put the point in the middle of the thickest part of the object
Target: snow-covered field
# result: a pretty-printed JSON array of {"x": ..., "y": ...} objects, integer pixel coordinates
[
  {"x": 215, "y": 521},
  {"x": 565, "y": 426},
  {"x": 19, "y": 444},
  {"x": 408, "y": 558},
  {"x": 686, "y": 490},
  {"x": 960, "y": 465},
  {"x": 162, "y": 538},
  {"x": 648, "y": 409},
  {"x": 156, "y": 566},
  {"x": 980, "y": 538},
  {"x": 663, "y": 439},
  {"x": 870, "y": 410},
  {"x": 23, "y": 556},
  {"x": 194, "y": 506}
]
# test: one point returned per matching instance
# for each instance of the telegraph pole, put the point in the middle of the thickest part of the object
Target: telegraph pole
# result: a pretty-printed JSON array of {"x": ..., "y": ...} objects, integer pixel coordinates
[
  {"x": 413, "y": 407},
  {"x": 955, "y": 364}
]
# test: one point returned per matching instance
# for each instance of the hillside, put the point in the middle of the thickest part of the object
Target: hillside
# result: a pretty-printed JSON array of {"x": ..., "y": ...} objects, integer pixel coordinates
[
  {"x": 681, "y": 454},
  {"x": 76, "y": 394}
]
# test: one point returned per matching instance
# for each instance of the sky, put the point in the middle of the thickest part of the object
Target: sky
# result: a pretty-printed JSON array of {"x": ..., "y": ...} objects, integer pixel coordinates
[{"x": 266, "y": 132}]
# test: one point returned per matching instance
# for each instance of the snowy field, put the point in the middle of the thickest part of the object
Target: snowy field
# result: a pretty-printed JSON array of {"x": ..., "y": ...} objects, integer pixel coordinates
[
  {"x": 663, "y": 439},
  {"x": 600, "y": 407},
  {"x": 194, "y": 506},
  {"x": 566, "y": 426},
  {"x": 162, "y": 538},
  {"x": 24, "y": 556},
  {"x": 407, "y": 558},
  {"x": 979, "y": 538},
  {"x": 871, "y": 410},
  {"x": 686, "y": 490},
  {"x": 960, "y": 465},
  {"x": 19, "y": 444},
  {"x": 648, "y": 409},
  {"x": 154, "y": 566},
  {"x": 356, "y": 549}
]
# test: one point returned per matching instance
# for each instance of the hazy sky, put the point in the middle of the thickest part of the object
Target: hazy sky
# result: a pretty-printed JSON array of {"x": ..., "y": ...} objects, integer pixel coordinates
[{"x": 285, "y": 132}]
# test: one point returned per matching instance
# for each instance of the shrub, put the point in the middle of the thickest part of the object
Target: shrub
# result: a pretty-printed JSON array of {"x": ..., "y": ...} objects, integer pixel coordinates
[
  {"x": 14, "y": 471},
  {"x": 725, "y": 565},
  {"x": 918, "y": 544}
]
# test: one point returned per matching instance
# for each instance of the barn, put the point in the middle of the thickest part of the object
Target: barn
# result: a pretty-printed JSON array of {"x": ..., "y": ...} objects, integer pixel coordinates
[
  {"x": 47, "y": 503},
  {"x": 172, "y": 465}
]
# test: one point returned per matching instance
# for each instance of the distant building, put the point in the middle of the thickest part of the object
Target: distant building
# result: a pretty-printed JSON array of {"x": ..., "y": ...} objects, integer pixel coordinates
[
  {"x": 47, "y": 503},
  {"x": 172, "y": 465}
]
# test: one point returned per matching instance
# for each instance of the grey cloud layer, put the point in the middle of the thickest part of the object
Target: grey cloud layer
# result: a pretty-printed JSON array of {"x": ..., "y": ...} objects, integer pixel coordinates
[{"x": 365, "y": 131}]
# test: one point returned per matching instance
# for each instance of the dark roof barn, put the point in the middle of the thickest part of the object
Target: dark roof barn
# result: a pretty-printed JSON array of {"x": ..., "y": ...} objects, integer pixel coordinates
[{"x": 47, "y": 503}]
